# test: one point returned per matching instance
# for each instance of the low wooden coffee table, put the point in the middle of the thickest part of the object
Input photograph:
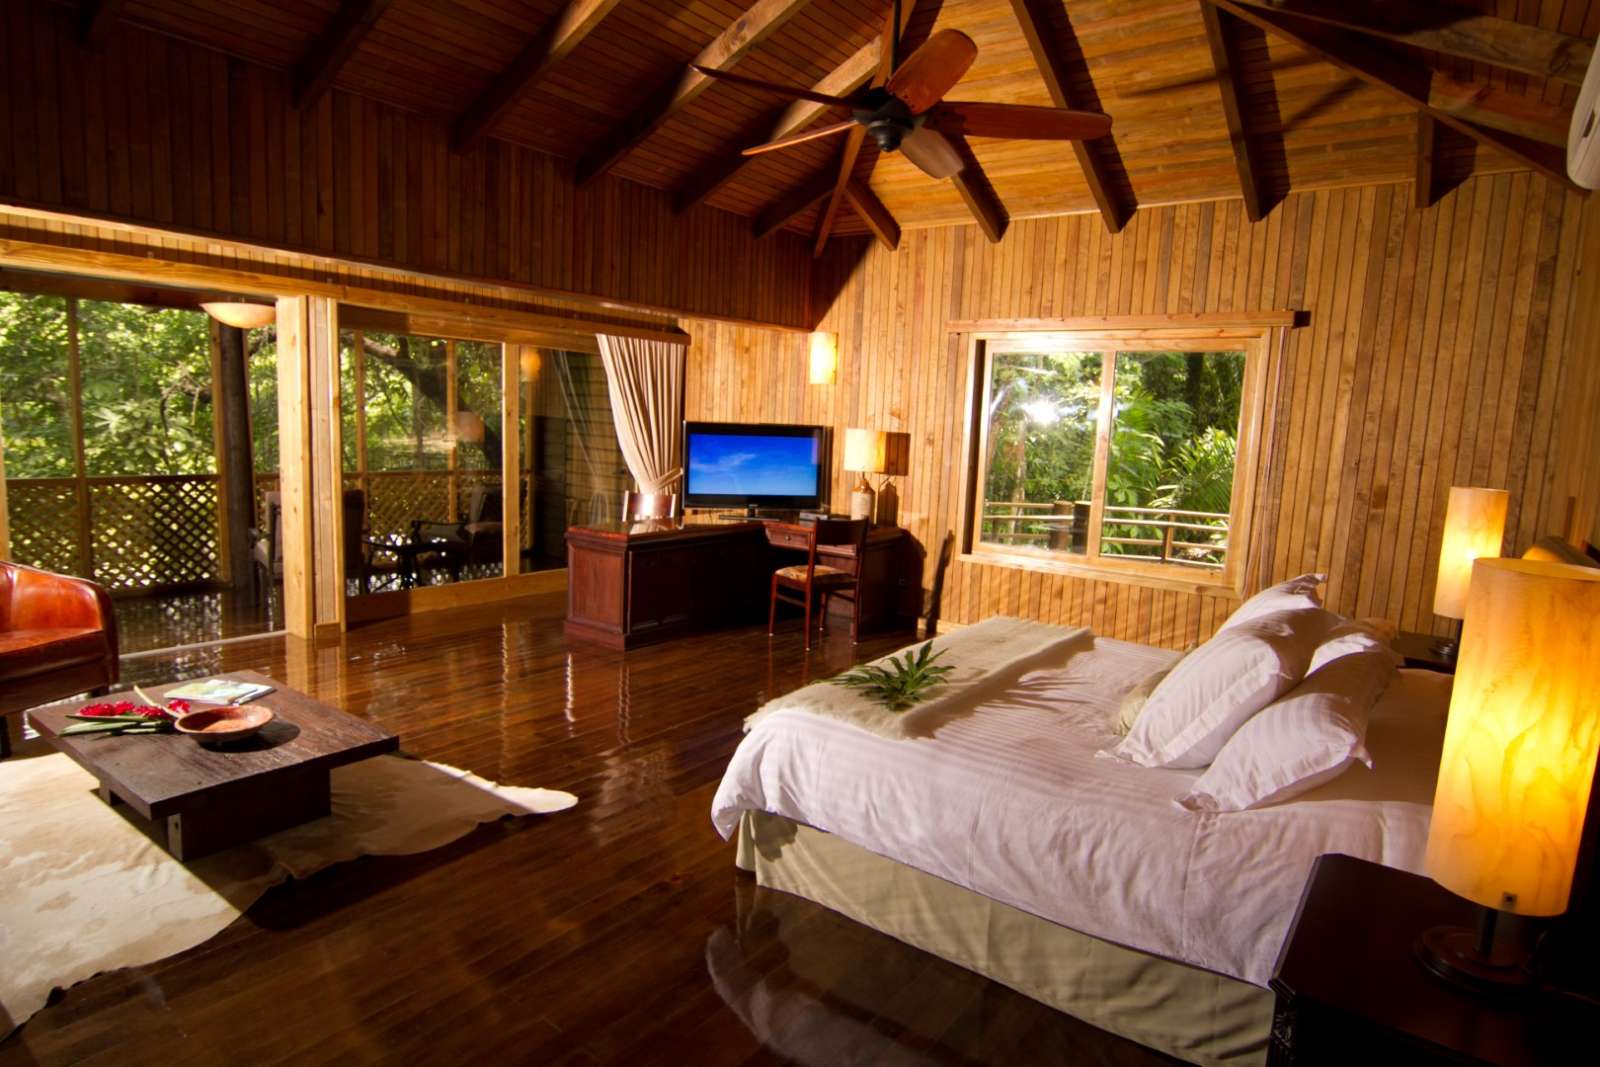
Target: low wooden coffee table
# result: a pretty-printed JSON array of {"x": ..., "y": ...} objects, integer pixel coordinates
[{"x": 203, "y": 799}]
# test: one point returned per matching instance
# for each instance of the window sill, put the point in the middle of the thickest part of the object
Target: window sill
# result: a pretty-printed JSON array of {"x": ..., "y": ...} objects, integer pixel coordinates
[{"x": 1154, "y": 576}]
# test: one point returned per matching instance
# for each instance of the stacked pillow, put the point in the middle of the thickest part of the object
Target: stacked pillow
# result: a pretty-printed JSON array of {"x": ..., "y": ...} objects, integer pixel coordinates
[{"x": 1275, "y": 704}]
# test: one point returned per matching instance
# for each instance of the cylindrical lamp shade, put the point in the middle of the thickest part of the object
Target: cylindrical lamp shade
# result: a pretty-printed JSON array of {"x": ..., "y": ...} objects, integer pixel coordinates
[
  {"x": 824, "y": 368},
  {"x": 865, "y": 450},
  {"x": 1519, "y": 750},
  {"x": 1474, "y": 526}
]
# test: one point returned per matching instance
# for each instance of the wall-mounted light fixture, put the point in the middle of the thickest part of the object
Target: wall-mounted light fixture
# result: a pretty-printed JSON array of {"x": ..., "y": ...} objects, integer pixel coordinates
[
  {"x": 242, "y": 315},
  {"x": 824, "y": 358}
]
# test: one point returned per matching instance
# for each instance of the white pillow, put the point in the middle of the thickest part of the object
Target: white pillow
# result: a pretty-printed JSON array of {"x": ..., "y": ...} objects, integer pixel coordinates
[
  {"x": 1213, "y": 690},
  {"x": 1298, "y": 592},
  {"x": 1308, "y": 738},
  {"x": 1346, "y": 637}
]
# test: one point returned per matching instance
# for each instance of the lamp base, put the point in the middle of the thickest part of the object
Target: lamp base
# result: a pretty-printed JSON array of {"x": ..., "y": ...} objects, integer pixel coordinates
[
  {"x": 863, "y": 501},
  {"x": 1445, "y": 648},
  {"x": 1458, "y": 956}
]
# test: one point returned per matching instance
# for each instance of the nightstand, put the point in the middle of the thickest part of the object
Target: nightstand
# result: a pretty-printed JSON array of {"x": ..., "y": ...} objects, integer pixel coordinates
[
  {"x": 1349, "y": 991},
  {"x": 1418, "y": 652}
]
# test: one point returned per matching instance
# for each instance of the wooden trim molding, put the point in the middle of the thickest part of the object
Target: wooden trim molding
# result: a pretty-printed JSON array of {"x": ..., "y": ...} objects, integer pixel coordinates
[
  {"x": 389, "y": 605},
  {"x": 1250, "y": 320}
]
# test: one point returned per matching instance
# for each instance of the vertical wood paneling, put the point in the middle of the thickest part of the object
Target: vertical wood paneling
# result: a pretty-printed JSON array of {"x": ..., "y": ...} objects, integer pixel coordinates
[
  {"x": 164, "y": 133},
  {"x": 1435, "y": 354}
]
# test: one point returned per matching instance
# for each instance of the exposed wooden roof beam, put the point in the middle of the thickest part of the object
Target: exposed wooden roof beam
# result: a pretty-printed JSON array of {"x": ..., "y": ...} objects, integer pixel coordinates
[
  {"x": 1454, "y": 31},
  {"x": 873, "y": 213},
  {"x": 336, "y": 43},
  {"x": 1407, "y": 81},
  {"x": 847, "y": 167},
  {"x": 1528, "y": 116},
  {"x": 95, "y": 19},
  {"x": 783, "y": 210},
  {"x": 1423, "y": 191},
  {"x": 1054, "y": 70},
  {"x": 747, "y": 31},
  {"x": 1222, "y": 35},
  {"x": 555, "y": 40},
  {"x": 843, "y": 80},
  {"x": 977, "y": 193}
]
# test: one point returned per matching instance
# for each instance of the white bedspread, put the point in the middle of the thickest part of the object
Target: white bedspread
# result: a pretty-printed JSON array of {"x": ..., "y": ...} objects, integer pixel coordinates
[{"x": 1011, "y": 803}]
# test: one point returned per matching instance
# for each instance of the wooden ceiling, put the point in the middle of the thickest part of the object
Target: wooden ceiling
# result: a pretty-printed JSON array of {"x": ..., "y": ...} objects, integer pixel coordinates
[{"x": 1300, "y": 102}]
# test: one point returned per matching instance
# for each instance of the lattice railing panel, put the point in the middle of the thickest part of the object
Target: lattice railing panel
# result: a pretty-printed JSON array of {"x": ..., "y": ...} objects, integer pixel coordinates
[
  {"x": 44, "y": 523},
  {"x": 152, "y": 532},
  {"x": 394, "y": 498}
]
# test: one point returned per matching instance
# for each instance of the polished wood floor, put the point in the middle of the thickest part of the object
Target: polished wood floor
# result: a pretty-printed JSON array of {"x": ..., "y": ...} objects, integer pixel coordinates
[{"x": 618, "y": 932}]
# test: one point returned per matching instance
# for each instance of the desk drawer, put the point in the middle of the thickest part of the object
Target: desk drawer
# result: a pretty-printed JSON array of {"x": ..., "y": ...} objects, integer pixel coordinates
[{"x": 779, "y": 537}]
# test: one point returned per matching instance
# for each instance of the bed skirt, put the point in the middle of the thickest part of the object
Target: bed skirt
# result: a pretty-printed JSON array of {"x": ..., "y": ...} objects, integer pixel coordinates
[{"x": 1196, "y": 1015}]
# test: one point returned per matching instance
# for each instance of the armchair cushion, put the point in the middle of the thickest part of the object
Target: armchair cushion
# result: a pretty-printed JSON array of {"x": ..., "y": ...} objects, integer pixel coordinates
[{"x": 24, "y": 653}]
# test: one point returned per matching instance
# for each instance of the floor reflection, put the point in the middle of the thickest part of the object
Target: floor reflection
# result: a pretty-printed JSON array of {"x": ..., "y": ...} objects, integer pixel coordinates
[{"x": 167, "y": 621}]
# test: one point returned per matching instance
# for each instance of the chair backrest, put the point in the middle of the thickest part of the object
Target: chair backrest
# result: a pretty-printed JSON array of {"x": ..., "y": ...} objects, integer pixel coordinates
[
  {"x": 484, "y": 504},
  {"x": 842, "y": 532},
  {"x": 272, "y": 505},
  {"x": 637, "y": 507}
]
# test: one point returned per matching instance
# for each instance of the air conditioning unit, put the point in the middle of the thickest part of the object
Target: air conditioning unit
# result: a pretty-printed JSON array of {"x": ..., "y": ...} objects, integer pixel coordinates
[{"x": 1583, "y": 139}]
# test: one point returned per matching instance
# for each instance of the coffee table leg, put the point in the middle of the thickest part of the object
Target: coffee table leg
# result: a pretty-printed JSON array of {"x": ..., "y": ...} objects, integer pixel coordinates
[{"x": 248, "y": 812}]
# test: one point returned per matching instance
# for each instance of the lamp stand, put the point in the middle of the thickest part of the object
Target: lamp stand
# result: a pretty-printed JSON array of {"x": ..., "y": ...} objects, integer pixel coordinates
[
  {"x": 1447, "y": 647},
  {"x": 1475, "y": 960},
  {"x": 863, "y": 499}
]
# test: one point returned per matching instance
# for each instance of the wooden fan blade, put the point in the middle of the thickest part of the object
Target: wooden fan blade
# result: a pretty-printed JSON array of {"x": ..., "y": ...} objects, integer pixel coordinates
[
  {"x": 797, "y": 138},
  {"x": 771, "y": 87},
  {"x": 933, "y": 70},
  {"x": 928, "y": 150},
  {"x": 1021, "y": 122}
]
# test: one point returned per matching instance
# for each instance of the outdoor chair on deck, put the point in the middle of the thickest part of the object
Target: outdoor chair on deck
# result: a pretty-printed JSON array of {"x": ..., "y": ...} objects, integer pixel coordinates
[
  {"x": 477, "y": 540},
  {"x": 362, "y": 559}
]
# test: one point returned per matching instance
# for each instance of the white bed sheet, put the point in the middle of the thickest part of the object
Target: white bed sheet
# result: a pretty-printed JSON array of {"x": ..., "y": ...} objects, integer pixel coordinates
[{"x": 1011, "y": 803}]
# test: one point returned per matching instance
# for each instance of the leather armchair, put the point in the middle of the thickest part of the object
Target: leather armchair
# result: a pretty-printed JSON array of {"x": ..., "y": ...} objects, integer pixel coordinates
[{"x": 58, "y": 637}]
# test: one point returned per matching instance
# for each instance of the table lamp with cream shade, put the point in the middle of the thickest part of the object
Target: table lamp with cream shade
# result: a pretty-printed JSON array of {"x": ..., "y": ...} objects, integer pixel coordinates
[
  {"x": 1518, "y": 762},
  {"x": 1474, "y": 526},
  {"x": 865, "y": 452}
]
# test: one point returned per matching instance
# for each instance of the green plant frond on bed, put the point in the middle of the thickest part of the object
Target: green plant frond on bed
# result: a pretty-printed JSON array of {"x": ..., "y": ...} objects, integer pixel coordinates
[{"x": 903, "y": 683}]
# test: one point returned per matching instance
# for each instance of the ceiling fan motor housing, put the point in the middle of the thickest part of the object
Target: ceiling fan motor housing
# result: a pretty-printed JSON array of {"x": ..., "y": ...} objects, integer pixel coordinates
[{"x": 886, "y": 118}]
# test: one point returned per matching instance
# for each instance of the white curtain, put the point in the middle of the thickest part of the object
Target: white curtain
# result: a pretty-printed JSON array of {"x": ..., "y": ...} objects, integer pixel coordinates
[{"x": 645, "y": 380}]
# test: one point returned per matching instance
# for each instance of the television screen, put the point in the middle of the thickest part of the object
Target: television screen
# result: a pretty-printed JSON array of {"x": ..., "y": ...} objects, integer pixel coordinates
[{"x": 732, "y": 465}]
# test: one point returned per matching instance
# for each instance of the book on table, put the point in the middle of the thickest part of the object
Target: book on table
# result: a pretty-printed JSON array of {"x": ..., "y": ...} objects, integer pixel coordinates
[{"x": 218, "y": 691}]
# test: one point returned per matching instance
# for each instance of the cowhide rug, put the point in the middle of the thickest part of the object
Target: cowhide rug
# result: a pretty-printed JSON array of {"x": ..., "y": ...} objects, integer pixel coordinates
[{"x": 84, "y": 889}]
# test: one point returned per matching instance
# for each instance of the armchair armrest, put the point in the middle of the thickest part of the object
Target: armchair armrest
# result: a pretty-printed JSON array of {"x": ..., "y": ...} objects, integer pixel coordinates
[{"x": 41, "y": 600}]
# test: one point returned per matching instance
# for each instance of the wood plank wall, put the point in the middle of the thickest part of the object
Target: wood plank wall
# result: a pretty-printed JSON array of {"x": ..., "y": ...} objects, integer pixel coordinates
[
  {"x": 1435, "y": 355},
  {"x": 1579, "y": 477},
  {"x": 168, "y": 134}
]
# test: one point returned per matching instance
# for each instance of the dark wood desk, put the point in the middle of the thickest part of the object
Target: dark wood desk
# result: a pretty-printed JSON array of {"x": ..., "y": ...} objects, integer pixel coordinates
[{"x": 633, "y": 584}]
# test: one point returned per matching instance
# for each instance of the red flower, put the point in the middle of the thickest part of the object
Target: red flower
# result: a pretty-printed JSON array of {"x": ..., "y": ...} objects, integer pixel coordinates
[
  {"x": 178, "y": 707},
  {"x": 150, "y": 711},
  {"x": 124, "y": 707},
  {"x": 97, "y": 709}
]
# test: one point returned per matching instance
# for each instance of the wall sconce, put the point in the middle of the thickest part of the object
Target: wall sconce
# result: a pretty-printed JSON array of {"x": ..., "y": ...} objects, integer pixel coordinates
[
  {"x": 1474, "y": 527},
  {"x": 242, "y": 315},
  {"x": 824, "y": 358}
]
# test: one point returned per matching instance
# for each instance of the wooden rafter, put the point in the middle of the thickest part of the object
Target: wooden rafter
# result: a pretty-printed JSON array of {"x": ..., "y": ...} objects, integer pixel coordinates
[
  {"x": 1453, "y": 31},
  {"x": 847, "y": 166},
  {"x": 843, "y": 80},
  {"x": 1427, "y": 131},
  {"x": 783, "y": 210},
  {"x": 733, "y": 44},
  {"x": 977, "y": 193},
  {"x": 1410, "y": 82},
  {"x": 336, "y": 43},
  {"x": 555, "y": 40},
  {"x": 1055, "y": 71},
  {"x": 1223, "y": 37},
  {"x": 872, "y": 211},
  {"x": 95, "y": 19}
]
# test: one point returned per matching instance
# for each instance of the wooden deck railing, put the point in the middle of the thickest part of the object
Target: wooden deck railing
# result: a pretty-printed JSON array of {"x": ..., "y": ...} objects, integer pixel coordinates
[{"x": 1161, "y": 535}]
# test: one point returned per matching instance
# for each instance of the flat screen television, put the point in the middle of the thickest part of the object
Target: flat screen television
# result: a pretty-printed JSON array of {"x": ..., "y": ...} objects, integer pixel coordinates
[{"x": 763, "y": 465}]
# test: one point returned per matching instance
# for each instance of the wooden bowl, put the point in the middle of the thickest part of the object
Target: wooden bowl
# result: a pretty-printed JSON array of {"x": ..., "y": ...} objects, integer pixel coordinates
[{"x": 221, "y": 725}]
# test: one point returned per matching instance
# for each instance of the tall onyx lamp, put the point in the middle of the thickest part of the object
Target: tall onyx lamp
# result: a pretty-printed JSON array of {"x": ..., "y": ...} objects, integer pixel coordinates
[
  {"x": 1474, "y": 526},
  {"x": 1518, "y": 763}
]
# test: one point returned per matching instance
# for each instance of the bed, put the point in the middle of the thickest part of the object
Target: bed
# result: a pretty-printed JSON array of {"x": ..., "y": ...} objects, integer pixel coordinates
[{"x": 1005, "y": 844}]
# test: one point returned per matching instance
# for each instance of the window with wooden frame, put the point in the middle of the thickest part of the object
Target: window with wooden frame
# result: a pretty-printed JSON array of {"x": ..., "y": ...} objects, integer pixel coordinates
[{"x": 1125, "y": 452}]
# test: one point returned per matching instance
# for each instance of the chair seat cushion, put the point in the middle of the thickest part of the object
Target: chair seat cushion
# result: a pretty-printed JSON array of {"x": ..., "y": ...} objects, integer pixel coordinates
[
  {"x": 823, "y": 573},
  {"x": 28, "y": 652}
]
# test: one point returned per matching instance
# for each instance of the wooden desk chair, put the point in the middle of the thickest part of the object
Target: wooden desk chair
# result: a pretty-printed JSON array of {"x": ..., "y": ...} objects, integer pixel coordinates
[
  {"x": 640, "y": 507},
  {"x": 815, "y": 578}
]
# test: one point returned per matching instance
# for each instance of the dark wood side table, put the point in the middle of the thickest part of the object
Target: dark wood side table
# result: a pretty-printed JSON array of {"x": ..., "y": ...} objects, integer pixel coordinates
[
  {"x": 1418, "y": 652},
  {"x": 1349, "y": 991}
]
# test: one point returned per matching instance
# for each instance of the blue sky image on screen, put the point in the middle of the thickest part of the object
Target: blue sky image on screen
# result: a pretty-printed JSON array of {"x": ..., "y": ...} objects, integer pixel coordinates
[{"x": 736, "y": 464}]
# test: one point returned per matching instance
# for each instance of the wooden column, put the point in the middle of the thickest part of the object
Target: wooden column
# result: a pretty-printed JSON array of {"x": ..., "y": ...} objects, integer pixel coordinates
[
  {"x": 310, "y": 461},
  {"x": 451, "y": 404},
  {"x": 510, "y": 459},
  {"x": 5, "y": 515},
  {"x": 236, "y": 497}
]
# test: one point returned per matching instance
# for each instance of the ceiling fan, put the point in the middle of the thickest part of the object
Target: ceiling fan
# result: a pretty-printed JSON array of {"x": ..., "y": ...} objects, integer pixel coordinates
[{"x": 904, "y": 110}]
